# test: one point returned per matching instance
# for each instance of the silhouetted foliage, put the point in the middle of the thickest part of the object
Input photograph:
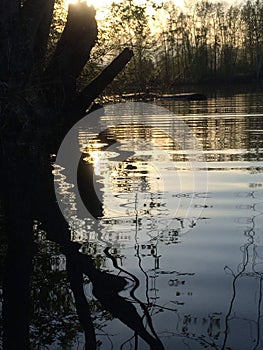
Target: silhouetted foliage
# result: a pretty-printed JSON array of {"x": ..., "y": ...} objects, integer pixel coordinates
[{"x": 204, "y": 42}]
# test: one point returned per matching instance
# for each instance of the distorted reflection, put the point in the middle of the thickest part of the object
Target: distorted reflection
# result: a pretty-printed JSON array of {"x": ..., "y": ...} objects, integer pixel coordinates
[
  {"x": 138, "y": 207},
  {"x": 164, "y": 261},
  {"x": 249, "y": 272},
  {"x": 183, "y": 289}
]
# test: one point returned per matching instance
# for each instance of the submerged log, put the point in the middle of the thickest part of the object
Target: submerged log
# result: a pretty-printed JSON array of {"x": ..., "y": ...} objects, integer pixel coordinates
[
  {"x": 190, "y": 96},
  {"x": 151, "y": 96}
]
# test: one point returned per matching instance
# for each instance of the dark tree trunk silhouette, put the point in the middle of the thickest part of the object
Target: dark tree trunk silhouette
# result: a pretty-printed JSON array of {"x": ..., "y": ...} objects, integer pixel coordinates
[
  {"x": 89, "y": 93},
  {"x": 38, "y": 102}
]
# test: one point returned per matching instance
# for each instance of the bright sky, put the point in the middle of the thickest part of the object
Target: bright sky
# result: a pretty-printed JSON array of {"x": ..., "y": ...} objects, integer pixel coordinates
[
  {"x": 96, "y": 3},
  {"x": 100, "y": 3},
  {"x": 102, "y": 12}
]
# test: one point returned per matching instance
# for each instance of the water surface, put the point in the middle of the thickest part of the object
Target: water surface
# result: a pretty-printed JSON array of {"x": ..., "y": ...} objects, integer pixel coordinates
[{"x": 181, "y": 208}]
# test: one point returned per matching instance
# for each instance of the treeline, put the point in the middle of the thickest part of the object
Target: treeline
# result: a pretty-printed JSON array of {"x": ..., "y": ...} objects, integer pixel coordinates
[{"x": 203, "y": 42}]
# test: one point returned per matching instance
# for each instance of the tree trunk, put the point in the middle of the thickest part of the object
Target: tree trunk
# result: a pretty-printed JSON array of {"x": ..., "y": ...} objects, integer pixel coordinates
[
  {"x": 30, "y": 117},
  {"x": 8, "y": 25},
  {"x": 72, "y": 52}
]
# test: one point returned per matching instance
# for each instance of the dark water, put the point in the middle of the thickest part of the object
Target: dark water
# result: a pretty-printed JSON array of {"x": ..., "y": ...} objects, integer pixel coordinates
[{"x": 181, "y": 209}]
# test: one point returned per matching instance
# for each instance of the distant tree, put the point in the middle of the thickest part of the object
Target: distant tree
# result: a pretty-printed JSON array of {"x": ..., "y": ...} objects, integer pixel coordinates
[
  {"x": 202, "y": 42},
  {"x": 252, "y": 16},
  {"x": 128, "y": 25},
  {"x": 231, "y": 41}
]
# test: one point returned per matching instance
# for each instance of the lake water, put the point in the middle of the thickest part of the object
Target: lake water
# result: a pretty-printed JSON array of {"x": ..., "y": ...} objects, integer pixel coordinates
[{"x": 177, "y": 196}]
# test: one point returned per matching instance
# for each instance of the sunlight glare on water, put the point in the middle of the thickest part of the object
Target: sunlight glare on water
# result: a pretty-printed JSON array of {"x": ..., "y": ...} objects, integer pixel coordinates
[{"x": 195, "y": 249}]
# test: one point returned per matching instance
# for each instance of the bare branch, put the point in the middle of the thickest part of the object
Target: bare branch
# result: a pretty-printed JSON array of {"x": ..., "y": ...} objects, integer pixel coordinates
[{"x": 96, "y": 87}]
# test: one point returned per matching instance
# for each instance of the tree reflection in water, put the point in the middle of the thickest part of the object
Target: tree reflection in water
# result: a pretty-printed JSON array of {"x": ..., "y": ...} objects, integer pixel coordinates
[
  {"x": 250, "y": 267},
  {"x": 54, "y": 316},
  {"x": 54, "y": 320},
  {"x": 64, "y": 271},
  {"x": 58, "y": 299}
]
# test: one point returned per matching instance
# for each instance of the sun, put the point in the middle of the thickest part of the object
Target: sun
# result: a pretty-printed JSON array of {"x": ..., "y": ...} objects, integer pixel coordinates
[{"x": 96, "y": 3}]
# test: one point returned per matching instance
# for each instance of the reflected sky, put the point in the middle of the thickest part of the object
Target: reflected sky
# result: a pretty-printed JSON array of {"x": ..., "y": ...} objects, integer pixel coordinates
[{"x": 184, "y": 218}]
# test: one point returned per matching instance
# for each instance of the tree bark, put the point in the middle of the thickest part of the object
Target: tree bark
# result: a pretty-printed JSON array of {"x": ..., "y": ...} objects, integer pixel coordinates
[
  {"x": 72, "y": 51},
  {"x": 8, "y": 25},
  {"x": 41, "y": 38}
]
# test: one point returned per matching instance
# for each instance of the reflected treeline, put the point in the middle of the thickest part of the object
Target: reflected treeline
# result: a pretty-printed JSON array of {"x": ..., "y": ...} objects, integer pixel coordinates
[{"x": 224, "y": 135}]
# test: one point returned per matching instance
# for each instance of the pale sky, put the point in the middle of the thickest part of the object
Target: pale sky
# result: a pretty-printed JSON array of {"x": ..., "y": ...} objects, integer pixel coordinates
[{"x": 100, "y": 3}]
